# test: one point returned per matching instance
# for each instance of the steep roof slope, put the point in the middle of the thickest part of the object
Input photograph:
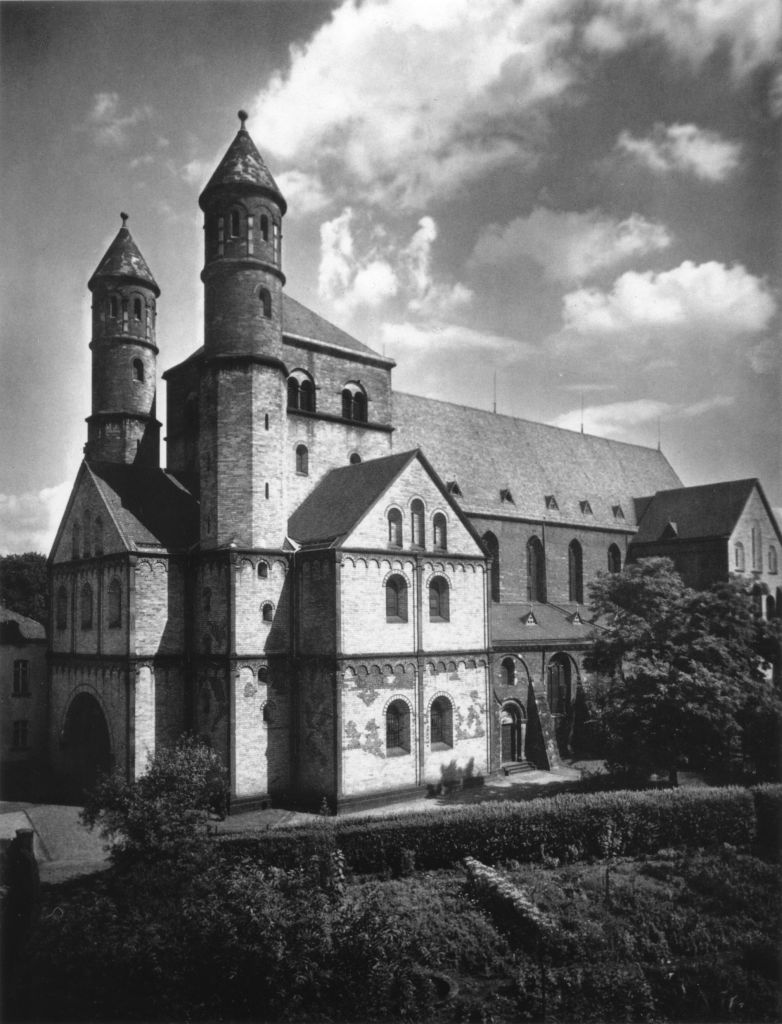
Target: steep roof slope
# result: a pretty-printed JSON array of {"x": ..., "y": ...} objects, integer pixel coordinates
[
  {"x": 150, "y": 507},
  {"x": 710, "y": 510},
  {"x": 485, "y": 453},
  {"x": 333, "y": 508},
  {"x": 301, "y": 322}
]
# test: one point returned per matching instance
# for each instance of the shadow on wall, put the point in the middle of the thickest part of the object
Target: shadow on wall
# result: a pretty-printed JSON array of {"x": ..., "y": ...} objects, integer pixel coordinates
[{"x": 454, "y": 777}]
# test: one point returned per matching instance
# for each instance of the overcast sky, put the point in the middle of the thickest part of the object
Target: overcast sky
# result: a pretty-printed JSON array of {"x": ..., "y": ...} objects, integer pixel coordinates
[{"x": 580, "y": 197}]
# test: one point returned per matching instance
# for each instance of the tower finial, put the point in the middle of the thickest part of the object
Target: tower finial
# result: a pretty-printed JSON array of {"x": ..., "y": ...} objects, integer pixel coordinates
[
  {"x": 124, "y": 219},
  {"x": 243, "y": 118}
]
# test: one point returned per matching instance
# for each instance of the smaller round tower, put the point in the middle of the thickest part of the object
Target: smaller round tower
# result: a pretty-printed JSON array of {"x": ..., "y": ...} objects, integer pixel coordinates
[{"x": 123, "y": 427}]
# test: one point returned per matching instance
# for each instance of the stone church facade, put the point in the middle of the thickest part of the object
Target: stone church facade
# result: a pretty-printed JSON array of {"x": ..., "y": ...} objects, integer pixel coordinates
[{"x": 352, "y": 593}]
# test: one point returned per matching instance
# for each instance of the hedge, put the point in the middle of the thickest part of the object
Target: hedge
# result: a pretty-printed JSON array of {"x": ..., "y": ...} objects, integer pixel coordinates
[{"x": 565, "y": 827}]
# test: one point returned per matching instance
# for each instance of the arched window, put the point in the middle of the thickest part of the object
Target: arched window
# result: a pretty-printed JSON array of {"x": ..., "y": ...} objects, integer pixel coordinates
[
  {"x": 360, "y": 407},
  {"x": 307, "y": 395},
  {"x": 85, "y": 535},
  {"x": 508, "y": 672},
  {"x": 614, "y": 559},
  {"x": 417, "y": 513},
  {"x": 263, "y": 674},
  {"x": 85, "y": 601},
  {"x": 575, "y": 572},
  {"x": 62, "y": 608},
  {"x": 138, "y": 370},
  {"x": 773, "y": 563},
  {"x": 234, "y": 223},
  {"x": 97, "y": 535},
  {"x": 395, "y": 528},
  {"x": 302, "y": 460},
  {"x": 492, "y": 546},
  {"x": 114, "y": 307},
  {"x": 115, "y": 604},
  {"x": 293, "y": 393},
  {"x": 354, "y": 402},
  {"x": 267, "y": 612},
  {"x": 441, "y": 723},
  {"x": 396, "y": 599},
  {"x": 264, "y": 227},
  {"x": 397, "y": 728},
  {"x": 536, "y": 570},
  {"x": 757, "y": 550},
  {"x": 440, "y": 532},
  {"x": 76, "y": 541},
  {"x": 439, "y": 602},
  {"x": 347, "y": 404},
  {"x": 738, "y": 557},
  {"x": 263, "y": 570},
  {"x": 138, "y": 311},
  {"x": 355, "y": 458},
  {"x": 266, "y": 302},
  {"x": 558, "y": 682}
]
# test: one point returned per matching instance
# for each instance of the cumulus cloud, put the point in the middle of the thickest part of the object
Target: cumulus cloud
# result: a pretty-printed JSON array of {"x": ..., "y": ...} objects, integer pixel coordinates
[
  {"x": 685, "y": 148},
  {"x": 304, "y": 193},
  {"x": 197, "y": 172},
  {"x": 368, "y": 273},
  {"x": 109, "y": 126},
  {"x": 409, "y": 339},
  {"x": 707, "y": 297},
  {"x": 570, "y": 246},
  {"x": 29, "y": 521},
  {"x": 618, "y": 419}
]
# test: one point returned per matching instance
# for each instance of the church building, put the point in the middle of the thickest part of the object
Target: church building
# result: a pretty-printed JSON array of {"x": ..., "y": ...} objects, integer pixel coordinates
[{"x": 351, "y": 593}]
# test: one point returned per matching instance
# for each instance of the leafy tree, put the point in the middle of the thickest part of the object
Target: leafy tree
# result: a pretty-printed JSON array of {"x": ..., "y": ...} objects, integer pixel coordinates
[
  {"x": 684, "y": 674},
  {"x": 163, "y": 813},
  {"x": 24, "y": 585}
]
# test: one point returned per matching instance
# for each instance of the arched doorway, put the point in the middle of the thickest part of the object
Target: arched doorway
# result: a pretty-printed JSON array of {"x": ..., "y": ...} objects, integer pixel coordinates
[
  {"x": 86, "y": 746},
  {"x": 513, "y": 728}
]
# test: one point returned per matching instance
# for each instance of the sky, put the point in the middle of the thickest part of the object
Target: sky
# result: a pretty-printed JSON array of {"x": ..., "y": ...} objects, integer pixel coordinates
[{"x": 567, "y": 207}]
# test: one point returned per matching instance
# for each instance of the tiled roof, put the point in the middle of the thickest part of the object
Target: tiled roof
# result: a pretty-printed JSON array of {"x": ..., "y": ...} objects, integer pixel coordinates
[
  {"x": 243, "y": 165},
  {"x": 15, "y": 627},
  {"x": 711, "y": 510},
  {"x": 329, "y": 512},
  {"x": 486, "y": 453},
  {"x": 302, "y": 322},
  {"x": 150, "y": 507},
  {"x": 123, "y": 259},
  {"x": 567, "y": 623}
]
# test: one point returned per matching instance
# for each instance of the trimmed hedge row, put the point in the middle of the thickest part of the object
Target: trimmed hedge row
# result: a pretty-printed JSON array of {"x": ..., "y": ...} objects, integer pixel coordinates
[{"x": 567, "y": 827}]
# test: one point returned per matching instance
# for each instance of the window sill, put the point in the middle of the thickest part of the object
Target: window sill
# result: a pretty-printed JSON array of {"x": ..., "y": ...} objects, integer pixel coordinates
[
  {"x": 396, "y": 752},
  {"x": 395, "y": 618},
  {"x": 438, "y": 618},
  {"x": 442, "y": 746}
]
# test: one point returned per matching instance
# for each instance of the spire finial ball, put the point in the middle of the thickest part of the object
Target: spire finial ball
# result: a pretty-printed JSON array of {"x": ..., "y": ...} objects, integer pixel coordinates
[
  {"x": 124, "y": 219},
  {"x": 243, "y": 116}
]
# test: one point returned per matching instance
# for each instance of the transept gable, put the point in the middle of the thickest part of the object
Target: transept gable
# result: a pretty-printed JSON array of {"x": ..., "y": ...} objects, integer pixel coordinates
[{"x": 88, "y": 526}]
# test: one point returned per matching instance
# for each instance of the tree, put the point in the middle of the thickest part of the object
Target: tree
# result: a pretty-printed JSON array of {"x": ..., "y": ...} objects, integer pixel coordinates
[
  {"x": 24, "y": 585},
  {"x": 683, "y": 674},
  {"x": 163, "y": 813}
]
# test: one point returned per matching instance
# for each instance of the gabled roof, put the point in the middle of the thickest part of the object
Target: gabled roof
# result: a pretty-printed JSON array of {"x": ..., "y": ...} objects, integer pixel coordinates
[
  {"x": 16, "y": 628},
  {"x": 300, "y": 322},
  {"x": 150, "y": 506},
  {"x": 123, "y": 259},
  {"x": 243, "y": 165},
  {"x": 567, "y": 623},
  {"x": 710, "y": 510},
  {"x": 487, "y": 453},
  {"x": 338, "y": 502}
]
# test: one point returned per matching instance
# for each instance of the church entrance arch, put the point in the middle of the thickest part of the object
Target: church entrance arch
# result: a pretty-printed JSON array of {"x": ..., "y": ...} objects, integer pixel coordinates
[
  {"x": 513, "y": 727},
  {"x": 86, "y": 746}
]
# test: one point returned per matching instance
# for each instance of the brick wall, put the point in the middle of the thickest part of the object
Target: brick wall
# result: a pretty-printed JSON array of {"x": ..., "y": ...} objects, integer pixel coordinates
[
  {"x": 363, "y": 605},
  {"x": 160, "y": 606},
  {"x": 251, "y": 593},
  {"x": 316, "y": 607},
  {"x": 261, "y": 715}
]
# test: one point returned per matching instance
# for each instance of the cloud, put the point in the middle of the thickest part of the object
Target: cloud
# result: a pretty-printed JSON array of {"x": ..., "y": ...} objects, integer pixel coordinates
[
  {"x": 108, "y": 126},
  {"x": 705, "y": 297},
  {"x": 408, "y": 340},
  {"x": 197, "y": 172},
  {"x": 570, "y": 246},
  {"x": 685, "y": 148},
  {"x": 29, "y": 521},
  {"x": 362, "y": 266},
  {"x": 303, "y": 192},
  {"x": 619, "y": 419}
]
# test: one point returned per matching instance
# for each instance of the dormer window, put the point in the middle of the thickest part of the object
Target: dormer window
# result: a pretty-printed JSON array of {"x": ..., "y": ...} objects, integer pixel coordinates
[
  {"x": 529, "y": 619},
  {"x": 453, "y": 488},
  {"x": 585, "y": 507},
  {"x": 618, "y": 512},
  {"x": 551, "y": 503},
  {"x": 505, "y": 495}
]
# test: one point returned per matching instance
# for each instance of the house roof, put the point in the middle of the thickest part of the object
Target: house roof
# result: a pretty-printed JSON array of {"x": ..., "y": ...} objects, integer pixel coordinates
[
  {"x": 301, "y": 322},
  {"x": 123, "y": 259},
  {"x": 710, "y": 510},
  {"x": 338, "y": 502},
  {"x": 16, "y": 628},
  {"x": 243, "y": 165},
  {"x": 566, "y": 623},
  {"x": 150, "y": 506},
  {"x": 486, "y": 453}
]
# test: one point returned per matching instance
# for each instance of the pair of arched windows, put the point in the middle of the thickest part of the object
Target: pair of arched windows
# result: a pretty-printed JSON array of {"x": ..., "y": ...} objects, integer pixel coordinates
[
  {"x": 301, "y": 392},
  {"x": 354, "y": 402},
  {"x": 397, "y": 603},
  {"x": 398, "y": 726}
]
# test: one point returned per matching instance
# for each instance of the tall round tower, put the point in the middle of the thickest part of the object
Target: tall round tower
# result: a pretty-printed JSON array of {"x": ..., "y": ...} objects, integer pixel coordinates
[
  {"x": 242, "y": 400},
  {"x": 123, "y": 426}
]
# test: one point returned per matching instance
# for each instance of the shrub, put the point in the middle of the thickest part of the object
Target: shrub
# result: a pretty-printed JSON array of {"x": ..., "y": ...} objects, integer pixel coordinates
[{"x": 768, "y": 812}]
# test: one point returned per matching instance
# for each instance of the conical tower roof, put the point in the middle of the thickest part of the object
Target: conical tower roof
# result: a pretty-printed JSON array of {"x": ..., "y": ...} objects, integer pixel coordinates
[
  {"x": 123, "y": 259},
  {"x": 243, "y": 165}
]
